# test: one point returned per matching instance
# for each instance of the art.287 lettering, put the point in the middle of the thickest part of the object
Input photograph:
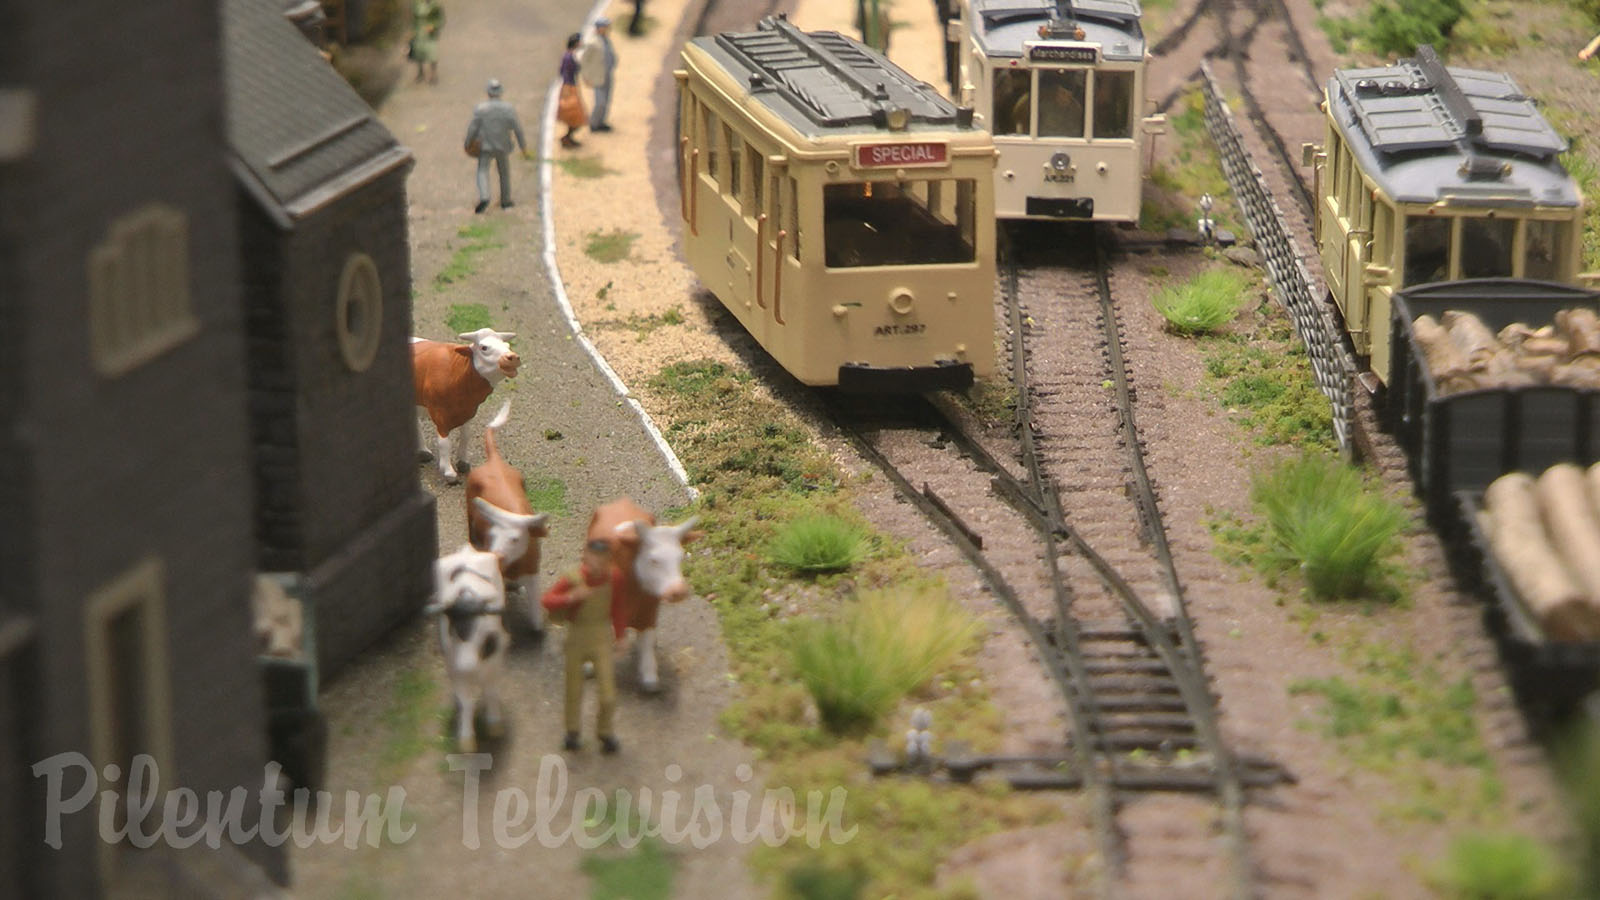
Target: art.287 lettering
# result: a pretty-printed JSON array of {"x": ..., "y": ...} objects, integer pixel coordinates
[{"x": 892, "y": 330}]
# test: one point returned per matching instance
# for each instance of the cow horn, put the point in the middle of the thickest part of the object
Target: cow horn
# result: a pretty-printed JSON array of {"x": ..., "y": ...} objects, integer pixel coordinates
[{"x": 683, "y": 528}]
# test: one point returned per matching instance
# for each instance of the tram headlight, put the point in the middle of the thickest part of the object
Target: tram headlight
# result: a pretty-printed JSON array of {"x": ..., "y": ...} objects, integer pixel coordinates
[{"x": 1060, "y": 161}]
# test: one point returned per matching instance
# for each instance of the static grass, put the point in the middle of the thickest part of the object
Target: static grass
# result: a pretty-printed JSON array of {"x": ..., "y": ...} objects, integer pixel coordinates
[
  {"x": 642, "y": 326},
  {"x": 643, "y": 873},
  {"x": 1261, "y": 374},
  {"x": 465, "y": 317},
  {"x": 1498, "y": 866},
  {"x": 889, "y": 643},
  {"x": 811, "y": 881},
  {"x": 814, "y": 544},
  {"x": 1204, "y": 303},
  {"x": 1577, "y": 760},
  {"x": 611, "y": 246},
  {"x": 1397, "y": 28},
  {"x": 1326, "y": 523},
  {"x": 587, "y": 166},
  {"x": 415, "y": 721},
  {"x": 1190, "y": 170},
  {"x": 480, "y": 238},
  {"x": 547, "y": 494}
]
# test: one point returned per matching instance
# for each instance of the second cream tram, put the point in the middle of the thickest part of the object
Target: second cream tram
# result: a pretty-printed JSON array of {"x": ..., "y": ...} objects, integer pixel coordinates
[{"x": 841, "y": 209}]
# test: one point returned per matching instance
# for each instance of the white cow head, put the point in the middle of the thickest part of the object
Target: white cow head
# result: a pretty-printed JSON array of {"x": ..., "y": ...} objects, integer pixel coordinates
[
  {"x": 467, "y": 583},
  {"x": 510, "y": 534},
  {"x": 659, "y": 560},
  {"x": 492, "y": 357}
]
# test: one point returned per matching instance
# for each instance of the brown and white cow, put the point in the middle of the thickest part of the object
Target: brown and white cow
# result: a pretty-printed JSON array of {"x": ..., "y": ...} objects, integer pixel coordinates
[
  {"x": 469, "y": 598},
  {"x": 650, "y": 559},
  {"x": 501, "y": 521},
  {"x": 452, "y": 380}
]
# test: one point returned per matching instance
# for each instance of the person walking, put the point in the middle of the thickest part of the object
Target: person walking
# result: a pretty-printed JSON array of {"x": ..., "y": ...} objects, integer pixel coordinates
[
  {"x": 569, "y": 108},
  {"x": 636, "y": 24},
  {"x": 427, "y": 20},
  {"x": 494, "y": 123},
  {"x": 583, "y": 598},
  {"x": 598, "y": 64}
]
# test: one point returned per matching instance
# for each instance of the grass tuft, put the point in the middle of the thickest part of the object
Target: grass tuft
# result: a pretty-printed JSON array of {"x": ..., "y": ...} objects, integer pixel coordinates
[
  {"x": 1323, "y": 520},
  {"x": 481, "y": 237},
  {"x": 611, "y": 246},
  {"x": 1203, "y": 304},
  {"x": 590, "y": 166},
  {"x": 1482, "y": 866},
  {"x": 644, "y": 873},
  {"x": 547, "y": 494},
  {"x": 818, "y": 543},
  {"x": 465, "y": 317},
  {"x": 888, "y": 644}
]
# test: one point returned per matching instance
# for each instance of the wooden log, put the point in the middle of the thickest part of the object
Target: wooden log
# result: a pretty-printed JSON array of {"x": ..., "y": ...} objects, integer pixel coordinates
[
  {"x": 279, "y": 619},
  {"x": 1572, "y": 523},
  {"x": 1477, "y": 343},
  {"x": 1580, "y": 328},
  {"x": 1518, "y": 540},
  {"x": 1443, "y": 358}
]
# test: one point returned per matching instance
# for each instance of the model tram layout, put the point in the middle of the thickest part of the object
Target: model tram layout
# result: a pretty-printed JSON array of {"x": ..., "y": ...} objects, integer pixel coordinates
[
  {"x": 841, "y": 209},
  {"x": 1060, "y": 84}
]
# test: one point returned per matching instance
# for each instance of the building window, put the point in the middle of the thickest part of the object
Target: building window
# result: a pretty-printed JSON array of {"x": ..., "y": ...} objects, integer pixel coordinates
[
  {"x": 358, "y": 314},
  {"x": 130, "y": 706},
  {"x": 139, "y": 290}
]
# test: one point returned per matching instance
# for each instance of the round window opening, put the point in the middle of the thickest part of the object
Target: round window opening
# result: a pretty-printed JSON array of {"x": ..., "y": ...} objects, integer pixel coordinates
[{"x": 358, "y": 318}]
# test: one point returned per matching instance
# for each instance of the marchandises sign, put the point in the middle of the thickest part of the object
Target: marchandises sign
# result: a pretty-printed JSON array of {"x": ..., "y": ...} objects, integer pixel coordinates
[{"x": 895, "y": 156}]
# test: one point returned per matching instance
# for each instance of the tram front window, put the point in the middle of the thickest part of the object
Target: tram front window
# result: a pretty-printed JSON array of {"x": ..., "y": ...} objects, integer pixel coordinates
[
  {"x": 1427, "y": 250},
  {"x": 1546, "y": 248},
  {"x": 1061, "y": 93},
  {"x": 1486, "y": 247},
  {"x": 1013, "y": 98},
  {"x": 906, "y": 223},
  {"x": 1113, "y": 104}
]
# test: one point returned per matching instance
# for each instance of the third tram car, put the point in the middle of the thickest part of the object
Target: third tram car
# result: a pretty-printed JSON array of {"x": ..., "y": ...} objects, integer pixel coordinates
[
  {"x": 840, "y": 208},
  {"x": 1433, "y": 174},
  {"x": 1060, "y": 85}
]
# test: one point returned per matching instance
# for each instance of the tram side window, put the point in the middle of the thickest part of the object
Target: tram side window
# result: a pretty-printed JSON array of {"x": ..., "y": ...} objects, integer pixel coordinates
[
  {"x": 1061, "y": 93},
  {"x": 735, "y": 147},
  {"x": 1427, "y": 250},
  {"x": 1013, "y": 94},
  {"x": 791, "y": 205},
  {"x": 1113, "y": 105},
  {"x": 1486, "y": 246},
  {"x": 1546, "y": 247},
  {"x": 708, "y": 139},
  {"x": 758, "y": 176},
  {"x": 887, "y": 223},
  {"x": 1336, "y": 161}
]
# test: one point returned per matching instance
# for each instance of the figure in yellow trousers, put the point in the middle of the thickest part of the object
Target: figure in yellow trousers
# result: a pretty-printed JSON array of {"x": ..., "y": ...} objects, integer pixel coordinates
[{"x": 583, "y": 599}]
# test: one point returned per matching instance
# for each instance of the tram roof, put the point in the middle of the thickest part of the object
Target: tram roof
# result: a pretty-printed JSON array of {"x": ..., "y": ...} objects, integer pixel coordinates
[
  {"x": 1426, "y": 132},
  {"x": 1002, "y": 26},
  {"x": 823, "y": 82}
]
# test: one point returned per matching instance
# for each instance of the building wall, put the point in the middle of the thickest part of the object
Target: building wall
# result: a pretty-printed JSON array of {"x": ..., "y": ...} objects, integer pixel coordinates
[{"x": 152, "y": 463}]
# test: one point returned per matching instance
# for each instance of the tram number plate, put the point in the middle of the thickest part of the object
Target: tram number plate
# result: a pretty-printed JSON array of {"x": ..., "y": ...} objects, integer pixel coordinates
[
  {"x": 896, "y": 330},
  {"x": 894, "y": 156}
]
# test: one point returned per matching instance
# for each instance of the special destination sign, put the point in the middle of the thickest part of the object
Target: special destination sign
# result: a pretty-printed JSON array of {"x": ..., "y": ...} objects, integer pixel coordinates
[
  {"x": 1059, "y": 54},
  {"x": 901, "y": 155}
]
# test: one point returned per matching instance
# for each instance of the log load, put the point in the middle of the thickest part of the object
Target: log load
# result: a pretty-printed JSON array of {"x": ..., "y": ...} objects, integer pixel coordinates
[
  {"x": 1545, "y": 534},
  {"x": 1463, "y": 354}
]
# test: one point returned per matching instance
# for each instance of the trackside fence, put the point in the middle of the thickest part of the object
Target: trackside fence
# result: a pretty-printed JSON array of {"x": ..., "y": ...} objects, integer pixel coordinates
[{"x": 1331, "y": 360}]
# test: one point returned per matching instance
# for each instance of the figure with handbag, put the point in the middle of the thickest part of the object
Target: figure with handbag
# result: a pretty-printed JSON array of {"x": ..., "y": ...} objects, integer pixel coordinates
[
  {"x": 427, "y": 20},
  {"x": 494, "y": 124},
  {"x": 598, "y": 63},
  {"x": 569, "y": 106}
]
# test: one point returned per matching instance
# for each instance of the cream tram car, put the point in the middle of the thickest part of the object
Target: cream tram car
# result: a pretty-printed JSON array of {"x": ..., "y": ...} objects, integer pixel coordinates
[
  {"x": 840, "y": 208},
  {"x": 1434, "y": 174},
  {"x": 1060, "y": 85}
]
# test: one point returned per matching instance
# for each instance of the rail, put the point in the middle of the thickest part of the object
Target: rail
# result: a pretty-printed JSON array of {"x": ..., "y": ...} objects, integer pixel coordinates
[{"x": 1332, "y": 363}]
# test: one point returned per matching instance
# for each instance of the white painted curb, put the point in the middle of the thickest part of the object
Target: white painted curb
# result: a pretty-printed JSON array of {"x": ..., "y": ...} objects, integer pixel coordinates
[{"x": 547, "y": 212}]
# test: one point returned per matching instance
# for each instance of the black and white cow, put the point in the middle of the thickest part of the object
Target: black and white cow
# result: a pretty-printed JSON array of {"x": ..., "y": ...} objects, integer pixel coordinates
[{"x": 470, "y": 596}]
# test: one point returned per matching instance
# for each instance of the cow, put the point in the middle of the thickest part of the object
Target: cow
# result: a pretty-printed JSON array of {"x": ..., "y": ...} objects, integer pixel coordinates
[
  {"x": 649, "y": 558},
  {"x": 469, "y": 598},
  {"x": 501, "y": 521},
  {"x": 452, "y": 380}
]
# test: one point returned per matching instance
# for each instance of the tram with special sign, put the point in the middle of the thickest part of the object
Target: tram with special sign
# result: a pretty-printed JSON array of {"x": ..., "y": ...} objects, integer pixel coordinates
[
  {"x": 1060, "y": 85},
  {"x": 841, "y": 209}
]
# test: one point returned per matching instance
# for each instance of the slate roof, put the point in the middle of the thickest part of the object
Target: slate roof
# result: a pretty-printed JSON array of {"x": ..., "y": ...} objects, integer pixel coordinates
[
  {"x": 1416, "y": 125},
  {"x": 822, "y": 82},
  {"x": 1001, "y": 26},
  {"x": 300, "y": 135}
]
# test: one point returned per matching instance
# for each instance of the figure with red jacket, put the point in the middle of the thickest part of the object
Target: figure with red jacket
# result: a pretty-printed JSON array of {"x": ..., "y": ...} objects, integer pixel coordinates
[{"x": 583, "y": 598}]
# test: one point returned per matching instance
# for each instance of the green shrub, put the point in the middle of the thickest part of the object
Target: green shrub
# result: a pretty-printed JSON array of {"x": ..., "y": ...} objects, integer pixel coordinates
[
  {"x": 886, "y": 645},
  {"x": 1499, "y": 867},
  {"x": 1398, "y": 29},
  {"x": 815, "y": 881},
  {"x": 611, "y": 246},
  {"x": 1323, "y": 520},
  {"x": 818, "y": 544},
  {"x": 1203, "y": 304}
]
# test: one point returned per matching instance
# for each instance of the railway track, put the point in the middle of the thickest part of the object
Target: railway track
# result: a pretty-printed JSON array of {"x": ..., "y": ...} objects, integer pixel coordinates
[{"x": 1077, "y": 553}]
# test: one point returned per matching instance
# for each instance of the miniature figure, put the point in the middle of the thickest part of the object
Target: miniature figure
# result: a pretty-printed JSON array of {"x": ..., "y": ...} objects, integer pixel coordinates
[
  {"x": 636, "y": 24},
  {"x": 598, "y": 64},
  {"x": 648, "y": 560},
  {"x": 919, "y": 739},
  {"x": 586, "y": 598},
  {"x": 569, "y": 107},
  {"x": 494, "y": 123},
  {"x": 427, "y": 20},
  {"x": 471, "y": 596},
  {"x": 1589, "y": 48},
  {"x": 451, "y": 380},
  {"x": 501, "y": 521}
]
